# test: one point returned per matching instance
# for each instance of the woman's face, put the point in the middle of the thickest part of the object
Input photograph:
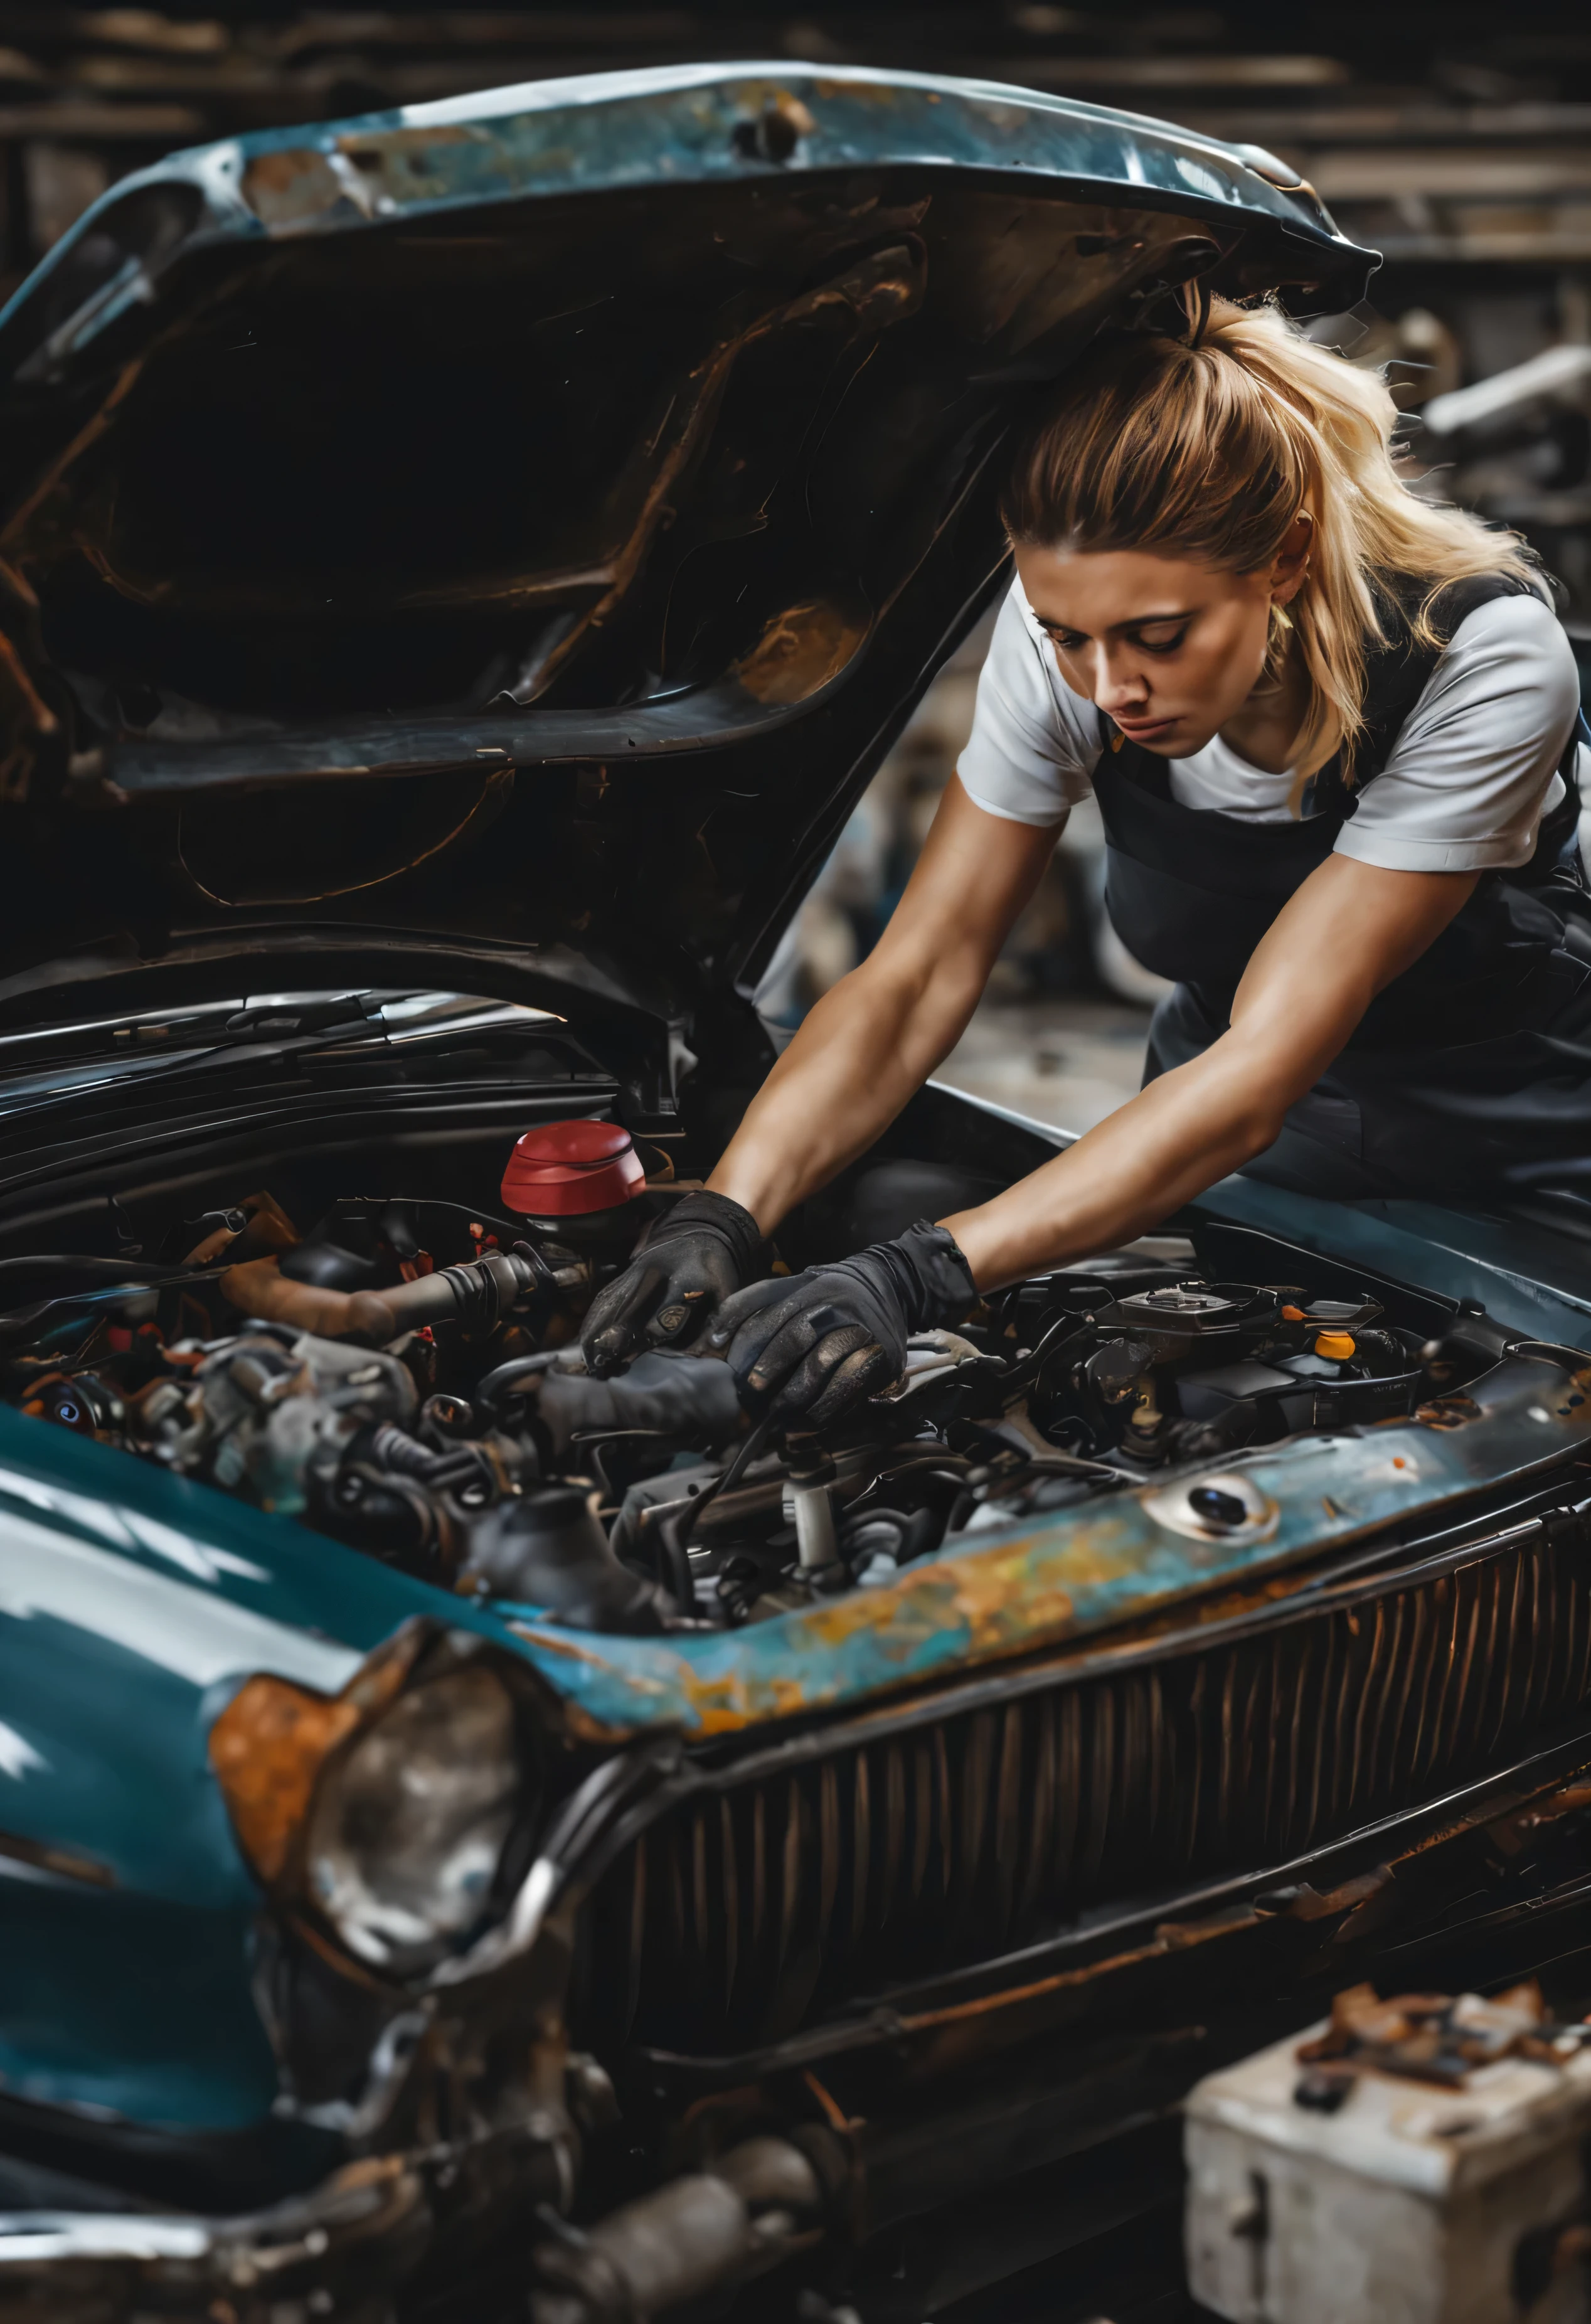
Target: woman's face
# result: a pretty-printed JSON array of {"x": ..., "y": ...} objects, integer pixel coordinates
[{"x": 1168, "y": 648}]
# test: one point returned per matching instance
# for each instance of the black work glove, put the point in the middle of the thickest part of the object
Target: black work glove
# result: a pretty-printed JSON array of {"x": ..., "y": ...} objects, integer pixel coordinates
[
  {"x": 703, "y": 1247},
  {"x": 818, "y": 1343},
  {"x": 687, "y": 1397}
]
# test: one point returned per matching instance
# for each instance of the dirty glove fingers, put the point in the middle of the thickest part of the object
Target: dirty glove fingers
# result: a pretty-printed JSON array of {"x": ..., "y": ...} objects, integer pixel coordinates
[
  {"x": 697, "y": 1255},
  {"x": 766, "y": 1351},
  {"x": 749, "y": 1324},
  {"x": 618, "y": 1315},
  {"x": 867, "y": 1372},
  {"x": 741, "y": 1307},
  {"x": 805, "y": 1387},
  {"x": 678, "y": 1314},
  {"x": 786, "y": 1350}
]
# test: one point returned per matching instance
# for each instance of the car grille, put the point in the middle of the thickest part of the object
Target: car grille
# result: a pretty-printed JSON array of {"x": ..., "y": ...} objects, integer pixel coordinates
[{"x": 797, "y": 1884}]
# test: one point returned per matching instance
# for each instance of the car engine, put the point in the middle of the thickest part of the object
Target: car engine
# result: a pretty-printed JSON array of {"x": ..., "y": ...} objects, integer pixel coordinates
[{"x": 404, "y": 1376}]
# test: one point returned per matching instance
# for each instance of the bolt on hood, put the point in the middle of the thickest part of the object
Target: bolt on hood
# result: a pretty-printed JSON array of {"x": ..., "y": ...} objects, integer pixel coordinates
[{"x": 511, "y": 531}]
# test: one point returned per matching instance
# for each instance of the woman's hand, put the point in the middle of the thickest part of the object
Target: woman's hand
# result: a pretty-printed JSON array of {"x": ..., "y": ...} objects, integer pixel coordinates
[
  {"x": 814, "y": 1344},
  {"x": 700, "y": 1250},
  {"x": 1349, "y": 929}
]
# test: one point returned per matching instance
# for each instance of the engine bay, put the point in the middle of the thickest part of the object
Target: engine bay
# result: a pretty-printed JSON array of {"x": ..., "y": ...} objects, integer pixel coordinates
[{"x": 403, "y": 1374}]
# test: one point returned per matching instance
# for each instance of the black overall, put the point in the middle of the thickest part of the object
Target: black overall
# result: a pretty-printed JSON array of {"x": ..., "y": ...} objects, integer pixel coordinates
[{"x": 1471, "y": 1072}]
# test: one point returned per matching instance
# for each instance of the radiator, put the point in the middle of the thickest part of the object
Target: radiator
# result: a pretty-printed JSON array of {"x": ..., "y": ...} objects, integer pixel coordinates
[{"x": 808, "y": 1878}]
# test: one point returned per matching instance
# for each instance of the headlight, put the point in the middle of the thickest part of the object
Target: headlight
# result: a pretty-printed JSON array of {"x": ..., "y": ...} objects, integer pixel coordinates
[
  {"x": 401, "y": 1811},
  {"x": 409, "y": 1826}
]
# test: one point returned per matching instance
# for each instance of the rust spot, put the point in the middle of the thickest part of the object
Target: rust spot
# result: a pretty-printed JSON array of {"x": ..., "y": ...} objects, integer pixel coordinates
[
  {"x": 291, "y": 188},
  {"x": 774, "y": 131},
  {"x": 1448, "y": 1412},
  {"x": 800, "y": 650},
  {"x": 1181, "y": 1936},
  {"x": 1511, "y": 1833},
  {"x": 1568, "y": 1801},
  {"x": 729, "y": 1715},
  {"x": 1171, "y": 1936},
  {"x": 1311, "y": 1904},
  {"x": 271, "y": 1742},
  {"x": 268, "y": 1748},
  {"x": 400, "y": 155},
  {"x": 585, "y": 1728},
  {"x": 986, "y": 2004}
]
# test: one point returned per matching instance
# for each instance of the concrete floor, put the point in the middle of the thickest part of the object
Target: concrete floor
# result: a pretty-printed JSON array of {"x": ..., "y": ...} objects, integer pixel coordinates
[{"x": 1068, "y": 1062}]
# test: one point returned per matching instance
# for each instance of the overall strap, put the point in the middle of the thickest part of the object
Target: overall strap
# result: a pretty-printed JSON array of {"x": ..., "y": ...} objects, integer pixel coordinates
[
  {"x": 1397, "y": 671},
  {"x": 1192, "y": 891}
]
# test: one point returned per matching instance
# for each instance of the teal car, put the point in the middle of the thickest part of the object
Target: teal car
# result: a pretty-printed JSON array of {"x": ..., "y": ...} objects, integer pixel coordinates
[{"x": 469, "y": 1833}]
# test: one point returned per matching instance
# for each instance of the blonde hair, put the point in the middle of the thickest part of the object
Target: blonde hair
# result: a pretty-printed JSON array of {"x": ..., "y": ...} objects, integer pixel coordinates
[{"x": 1212, "y": 448}]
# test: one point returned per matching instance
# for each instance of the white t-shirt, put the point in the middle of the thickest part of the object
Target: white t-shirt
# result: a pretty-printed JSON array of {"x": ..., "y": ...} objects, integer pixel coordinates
[{"x": 1473, "y": 770}]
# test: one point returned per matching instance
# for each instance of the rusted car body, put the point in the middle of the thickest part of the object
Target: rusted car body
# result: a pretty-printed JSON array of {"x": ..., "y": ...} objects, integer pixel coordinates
[{"x": 459, "y": 570}]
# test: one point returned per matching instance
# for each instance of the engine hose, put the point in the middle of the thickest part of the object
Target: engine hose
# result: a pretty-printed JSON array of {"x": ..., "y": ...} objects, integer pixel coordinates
[
  {"x": 394, "y": 1451},
  {"x": 391, "y": 1447},
  {"x": 492, "y": 1390},
  {"x": 258, "y": 1287},
  {"x": 477, "y": 1294}
]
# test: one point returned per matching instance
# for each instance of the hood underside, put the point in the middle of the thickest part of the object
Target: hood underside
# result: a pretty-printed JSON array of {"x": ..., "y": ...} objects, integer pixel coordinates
[{"x": 525, "y": 523}]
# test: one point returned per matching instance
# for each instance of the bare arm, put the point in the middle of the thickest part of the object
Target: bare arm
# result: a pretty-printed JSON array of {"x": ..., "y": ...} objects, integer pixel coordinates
[
  {"x": 1347, "y": 932},
  {"x": 872, "y": 1041}
]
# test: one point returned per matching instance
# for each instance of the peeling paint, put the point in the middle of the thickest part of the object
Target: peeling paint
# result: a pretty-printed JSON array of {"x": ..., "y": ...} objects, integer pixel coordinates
[{"x": 1080, "y": 1573}]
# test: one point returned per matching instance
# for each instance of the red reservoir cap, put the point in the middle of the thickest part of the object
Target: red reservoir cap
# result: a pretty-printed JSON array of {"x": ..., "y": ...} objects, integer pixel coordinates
[{"x": 566, "y": 1168}]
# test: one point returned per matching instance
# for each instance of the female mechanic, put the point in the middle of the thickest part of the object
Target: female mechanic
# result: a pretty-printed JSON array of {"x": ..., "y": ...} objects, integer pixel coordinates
[{"x": 1330, "y": 727}]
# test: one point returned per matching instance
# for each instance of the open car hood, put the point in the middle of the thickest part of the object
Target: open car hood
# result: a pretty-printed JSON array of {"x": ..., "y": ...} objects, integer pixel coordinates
[{"x": 511, "y": 531}]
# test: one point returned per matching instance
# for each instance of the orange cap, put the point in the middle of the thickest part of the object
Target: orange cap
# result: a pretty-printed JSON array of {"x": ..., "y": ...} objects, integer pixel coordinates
[{"x": 1338, "y": 1346}]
